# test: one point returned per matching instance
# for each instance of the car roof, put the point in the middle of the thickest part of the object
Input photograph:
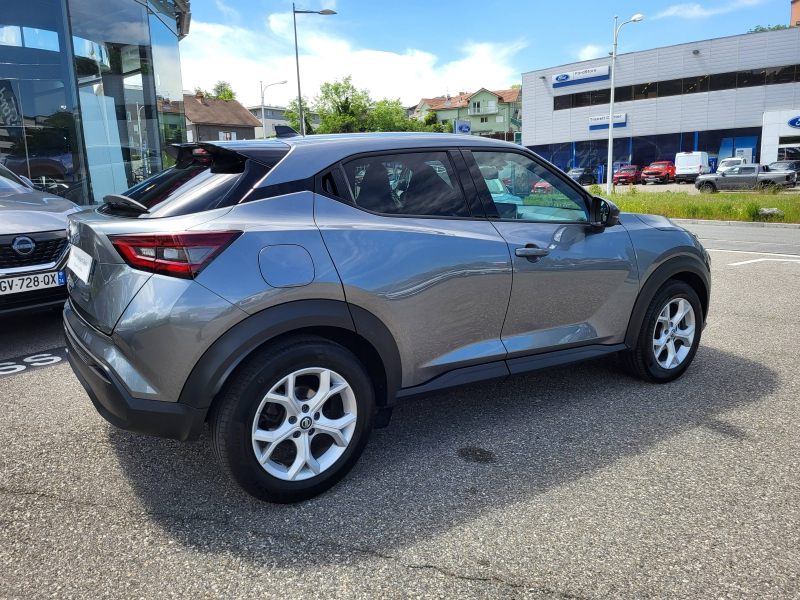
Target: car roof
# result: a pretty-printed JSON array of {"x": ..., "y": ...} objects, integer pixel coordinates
[{"x": 308, "y": 155}]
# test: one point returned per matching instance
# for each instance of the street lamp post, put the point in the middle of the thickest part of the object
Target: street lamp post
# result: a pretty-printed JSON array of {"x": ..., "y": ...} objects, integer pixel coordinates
[
  {"x": 296, "y": 12},
  {"x": 610, "y": 165},
  {"x": 263, "y": 126}
]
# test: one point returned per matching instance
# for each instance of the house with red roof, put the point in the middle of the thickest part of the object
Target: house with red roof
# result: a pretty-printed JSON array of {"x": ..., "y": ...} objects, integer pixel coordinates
[{"x": 491, "y": 113}]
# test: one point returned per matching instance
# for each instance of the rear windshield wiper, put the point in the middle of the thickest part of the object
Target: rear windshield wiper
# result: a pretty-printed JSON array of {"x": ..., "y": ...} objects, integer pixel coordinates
[{"x": 125, "y": 202}]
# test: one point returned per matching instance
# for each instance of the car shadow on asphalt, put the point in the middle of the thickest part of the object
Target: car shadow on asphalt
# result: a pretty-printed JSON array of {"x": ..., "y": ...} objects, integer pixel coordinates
[{"x": 444, "y": 462}]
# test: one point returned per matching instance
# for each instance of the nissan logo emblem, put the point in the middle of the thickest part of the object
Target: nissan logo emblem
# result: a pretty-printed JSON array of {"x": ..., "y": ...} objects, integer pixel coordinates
[{"x": 23, "y": 246}]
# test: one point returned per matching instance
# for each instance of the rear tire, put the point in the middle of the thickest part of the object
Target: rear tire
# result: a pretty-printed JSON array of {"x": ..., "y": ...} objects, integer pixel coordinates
[
  {"x": 667, "y": 341},
  {"x": 270, "y": 429}
]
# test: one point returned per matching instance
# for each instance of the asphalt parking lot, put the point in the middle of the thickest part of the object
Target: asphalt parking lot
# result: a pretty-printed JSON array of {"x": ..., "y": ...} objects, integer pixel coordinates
[{"x": 580, "y": 482}]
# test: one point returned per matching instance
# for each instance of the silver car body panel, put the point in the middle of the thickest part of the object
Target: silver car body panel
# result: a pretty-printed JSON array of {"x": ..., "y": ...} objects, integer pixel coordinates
[
  {"x": 236, "y": 275},
  {"x": 441, "y": 286},
  {"x": 583, "y": 291}
]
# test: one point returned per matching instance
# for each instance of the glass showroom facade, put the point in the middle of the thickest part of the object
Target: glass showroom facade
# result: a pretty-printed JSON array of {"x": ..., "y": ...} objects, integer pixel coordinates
[{"x": 90, "y": 92}]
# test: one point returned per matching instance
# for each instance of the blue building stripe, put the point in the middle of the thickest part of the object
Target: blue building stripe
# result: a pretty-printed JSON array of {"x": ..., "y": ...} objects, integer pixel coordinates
[{"x": 605, "y": 126}]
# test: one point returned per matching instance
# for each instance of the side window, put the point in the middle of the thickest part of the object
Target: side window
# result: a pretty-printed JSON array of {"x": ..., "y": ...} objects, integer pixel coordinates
[
  {"x": 523, "y": 189},
  {"x": 733, "y": 171},
  {"x": 747, "y": 170},
  {"x": 419, "y": 183}
]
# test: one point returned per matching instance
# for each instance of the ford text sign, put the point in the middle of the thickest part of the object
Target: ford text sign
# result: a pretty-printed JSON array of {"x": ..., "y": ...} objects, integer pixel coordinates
[
  {"x": 582, "y": 76},
  {"x": 795, "y": 122}
]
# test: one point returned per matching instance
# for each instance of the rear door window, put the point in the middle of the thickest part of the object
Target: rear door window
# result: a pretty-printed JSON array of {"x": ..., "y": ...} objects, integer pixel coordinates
[{"x": 414, "y": 184}]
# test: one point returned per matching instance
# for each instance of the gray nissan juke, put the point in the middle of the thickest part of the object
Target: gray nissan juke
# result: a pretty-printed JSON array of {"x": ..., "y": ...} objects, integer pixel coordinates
[{"x": 290, "y": 292}]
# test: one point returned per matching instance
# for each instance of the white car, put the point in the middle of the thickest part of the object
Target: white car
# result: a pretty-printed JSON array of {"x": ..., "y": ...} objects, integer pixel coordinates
[{"x": 730, "y": 163}]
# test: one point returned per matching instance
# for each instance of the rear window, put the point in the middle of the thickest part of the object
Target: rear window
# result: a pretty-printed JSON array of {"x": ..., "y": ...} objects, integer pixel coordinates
[
  {"x": 688, "y": 160},
  {"x": 183, "y": 191},
  {"x": 204, "y": 179}
]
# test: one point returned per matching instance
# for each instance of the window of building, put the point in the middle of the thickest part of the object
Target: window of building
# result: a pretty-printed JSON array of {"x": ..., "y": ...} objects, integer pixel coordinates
[
  {"x": 601, "y": 97},
  {"x": 484, "y": 119},
  {"x": 419, "y": 183},
  {"x": 722, "y": 81},
  {"x": 671, "y": 87},
  {"x": 227, "y": 135},
  {"x": 751, "y": 78},
  {"x": 693, "y": 85},
  {"x": 644, "y": 91},
  {"x": 623, "y": 93},
  {"x": 269, "y": 113},
  {"x": 511, "y": 178},
  {"x": 776, "y": 75},
  {"x": 792, "y": 139},
  {"x": 562, "y": 102},
  {"x": 581, "y": 99}
]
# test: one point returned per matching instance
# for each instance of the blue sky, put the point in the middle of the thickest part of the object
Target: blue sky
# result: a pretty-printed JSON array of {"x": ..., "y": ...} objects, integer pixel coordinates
[{"x": 411, "y": 49}]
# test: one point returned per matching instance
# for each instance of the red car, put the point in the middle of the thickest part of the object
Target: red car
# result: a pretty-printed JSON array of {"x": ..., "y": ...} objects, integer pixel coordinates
[
  {"x": 628, "y": 174},
  {"x": 542, "y": 187},
  {"x": 661, "y": 171}
]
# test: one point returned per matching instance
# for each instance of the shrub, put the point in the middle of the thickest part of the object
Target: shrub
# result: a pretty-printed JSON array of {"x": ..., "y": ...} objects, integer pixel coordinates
[
  {"x": 595, "y": 190},
  {"x": 751, "y": 211},
  {"x": 632, "y": 189}
]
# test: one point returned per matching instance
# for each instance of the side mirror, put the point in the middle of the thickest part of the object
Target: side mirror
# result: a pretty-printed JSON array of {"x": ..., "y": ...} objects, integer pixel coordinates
[
  {"x": 722, "y": 173},
  {"x": 604, "y": 213}
]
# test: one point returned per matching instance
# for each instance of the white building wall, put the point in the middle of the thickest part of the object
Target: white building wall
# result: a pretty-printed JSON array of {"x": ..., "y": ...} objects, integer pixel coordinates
[{"x": 688, "y": 112}]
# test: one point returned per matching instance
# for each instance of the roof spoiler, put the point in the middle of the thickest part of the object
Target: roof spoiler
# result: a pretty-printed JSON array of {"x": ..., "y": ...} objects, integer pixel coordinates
[
  {"x": 284, "y": 131},
  {"x": 125, "y": 202}
]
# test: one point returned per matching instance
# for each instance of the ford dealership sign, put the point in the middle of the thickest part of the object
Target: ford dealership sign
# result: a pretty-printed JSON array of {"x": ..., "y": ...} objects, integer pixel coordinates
[
  {"x": 462, "y": 127},
  {"x": 582, "y": 76},
  {"x": 795, "y": 122}
]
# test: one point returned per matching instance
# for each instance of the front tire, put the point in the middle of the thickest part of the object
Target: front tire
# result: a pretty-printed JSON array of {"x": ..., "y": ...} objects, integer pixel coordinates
[
  {"x": 294, "y": 420},
  {"x": 669, "y": 335},
  {"x": 708, "y": 188}
]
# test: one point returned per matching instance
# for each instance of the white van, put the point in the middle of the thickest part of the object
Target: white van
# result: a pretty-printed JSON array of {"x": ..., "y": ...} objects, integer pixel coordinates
[
  {"x": 688, "y": 165},
  {"x": 729, "y": 163}
]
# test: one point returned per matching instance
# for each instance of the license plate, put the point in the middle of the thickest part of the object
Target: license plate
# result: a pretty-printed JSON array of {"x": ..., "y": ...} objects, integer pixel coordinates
[
  {"x": 28, "y": 283},
  {"x": 80, "y": 263}
]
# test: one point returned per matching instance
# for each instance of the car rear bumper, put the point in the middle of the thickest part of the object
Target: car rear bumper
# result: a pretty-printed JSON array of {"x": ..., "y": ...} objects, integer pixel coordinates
[
  {"x": 150, "y": 417},
  {"x": 679, "y": 177}
]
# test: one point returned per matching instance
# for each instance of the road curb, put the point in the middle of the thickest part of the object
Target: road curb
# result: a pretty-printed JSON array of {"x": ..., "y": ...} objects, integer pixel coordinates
[{"x": 741, "y": 223}]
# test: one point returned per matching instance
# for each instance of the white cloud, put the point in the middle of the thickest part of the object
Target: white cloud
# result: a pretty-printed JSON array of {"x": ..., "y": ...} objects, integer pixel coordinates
[
  {"x": 591, "y": 51},
  {"x": 696, "y": 11},
  {"x": 229, "y": 13},
  {"x": 244, "y": 56}
]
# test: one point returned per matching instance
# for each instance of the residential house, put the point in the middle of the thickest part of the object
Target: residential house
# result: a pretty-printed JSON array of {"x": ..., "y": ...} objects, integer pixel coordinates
[
  {"x": 273, "y": 115},
  {"x": 490, "y": 113},
  {"x": 210, "y": 119}
]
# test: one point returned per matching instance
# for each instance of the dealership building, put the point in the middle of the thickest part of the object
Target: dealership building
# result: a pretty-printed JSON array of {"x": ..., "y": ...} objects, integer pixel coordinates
[
  {"x": 723, "y": 96},
  {"x": 90, "y": 92}
]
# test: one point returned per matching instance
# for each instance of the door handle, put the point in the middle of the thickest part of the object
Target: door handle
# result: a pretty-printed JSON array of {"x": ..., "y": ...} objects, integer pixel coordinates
[{"x": 531, "y": 252}]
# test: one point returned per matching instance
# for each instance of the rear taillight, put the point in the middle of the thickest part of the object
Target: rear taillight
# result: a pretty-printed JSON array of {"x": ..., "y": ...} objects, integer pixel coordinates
[{"x": 177, "y": 254}]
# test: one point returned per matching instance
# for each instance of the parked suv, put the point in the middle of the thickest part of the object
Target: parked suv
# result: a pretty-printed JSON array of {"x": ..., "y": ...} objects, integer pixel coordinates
[
  {"x": 290, "y": 292},
  {"x": 628, "y": 174},
  {"x": 583, "y": 176},
  {"x": 33, "y": 245},
  {"x": 661, "y": 171}
]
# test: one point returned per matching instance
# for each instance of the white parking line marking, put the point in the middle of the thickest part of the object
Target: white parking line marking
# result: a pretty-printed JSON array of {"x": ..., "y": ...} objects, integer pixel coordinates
[
  {"x": 756, "y": 260},
  {"x": 758, "y": 253}
]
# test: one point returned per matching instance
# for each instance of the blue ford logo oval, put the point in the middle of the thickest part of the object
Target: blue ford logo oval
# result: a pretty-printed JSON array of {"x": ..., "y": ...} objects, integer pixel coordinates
[
  {"x": 23, "y": 245},
  {"x": 795, "y": 122},
  {"x": 464, "y": 128},
  {"x": 562, "y": 77}
]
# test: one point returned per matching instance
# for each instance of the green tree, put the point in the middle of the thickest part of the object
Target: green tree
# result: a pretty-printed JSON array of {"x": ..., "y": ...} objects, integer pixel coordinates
[
  {"x": 223, "y": 91},
  {"x": 292, "y": 114},
  {"x": 430, "y": 119},
  {"x": 342, "y": 108},
  {"x": 206, "y": 93},
  {"x": 389, "y": 115},
  {"x": 760, "y": 28},
  {"x": 516, "y": 86}
]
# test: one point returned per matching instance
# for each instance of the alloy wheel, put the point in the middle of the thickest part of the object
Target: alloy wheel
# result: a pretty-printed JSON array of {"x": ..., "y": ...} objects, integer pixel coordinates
[
  {"x": 674, "y": 332},
  {"x": 304, "y": 424}
]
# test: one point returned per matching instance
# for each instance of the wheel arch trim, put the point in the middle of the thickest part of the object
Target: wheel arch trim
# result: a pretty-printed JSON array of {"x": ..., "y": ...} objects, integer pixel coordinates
[
  {"x": 677, "y": 265},
  {"x": 227, "y": 353}
]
